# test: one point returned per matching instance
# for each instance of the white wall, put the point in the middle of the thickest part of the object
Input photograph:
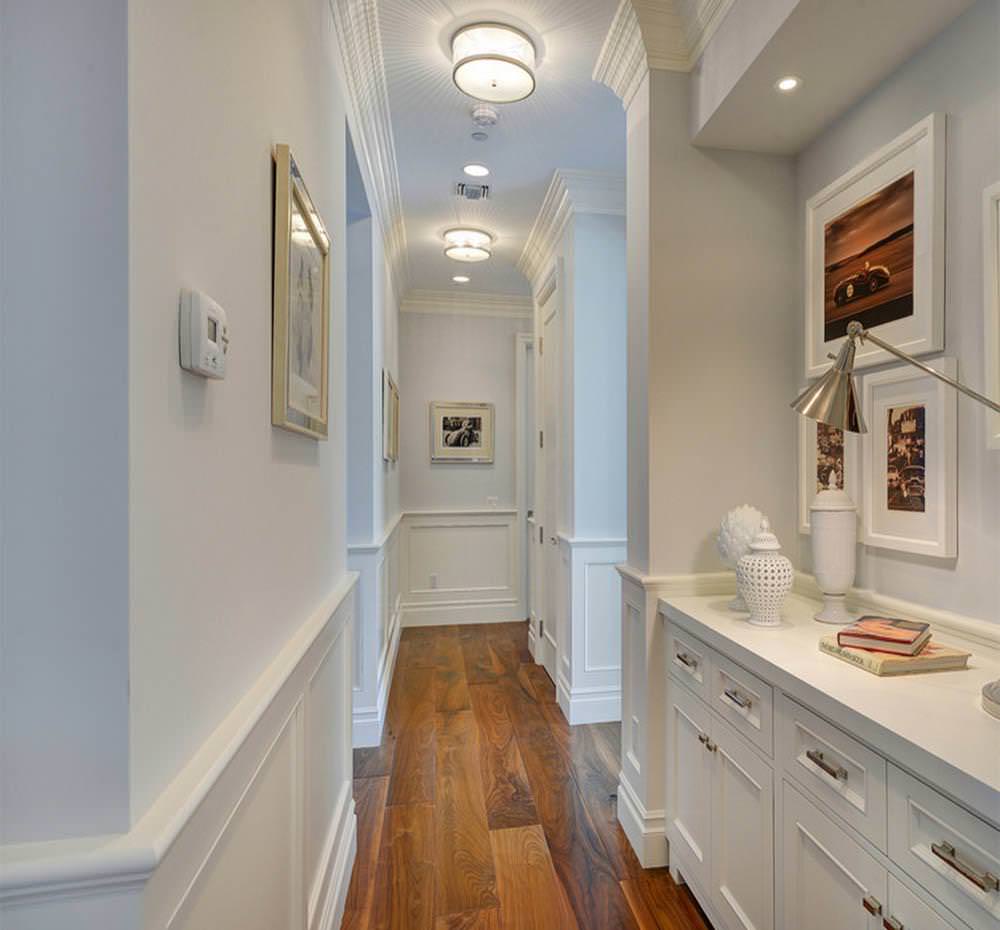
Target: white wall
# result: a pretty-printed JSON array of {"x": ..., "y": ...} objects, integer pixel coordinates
[
  {"x": 238, "y": 528},
  {"x": 455, "y": 357},
  {"x": 956, "y": 74},
  {"x": 64, "y": 331},
  {"x": 364, "y": 436}
]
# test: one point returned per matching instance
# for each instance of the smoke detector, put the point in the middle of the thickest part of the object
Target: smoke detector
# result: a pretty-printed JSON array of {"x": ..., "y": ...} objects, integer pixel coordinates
[
  {"x": 485, "y": 116},
  {"x": 472, "y": 191}
]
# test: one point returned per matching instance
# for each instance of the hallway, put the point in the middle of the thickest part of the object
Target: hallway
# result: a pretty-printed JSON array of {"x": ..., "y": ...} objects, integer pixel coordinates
[{"x": 482, "y": 808}]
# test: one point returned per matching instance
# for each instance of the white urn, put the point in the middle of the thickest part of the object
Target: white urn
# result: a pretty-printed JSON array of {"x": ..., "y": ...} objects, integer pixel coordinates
[
  {"x": 764, "y": 577},
  {"x": 834, "y": 520},
  {"x": 736, "y": 532}
]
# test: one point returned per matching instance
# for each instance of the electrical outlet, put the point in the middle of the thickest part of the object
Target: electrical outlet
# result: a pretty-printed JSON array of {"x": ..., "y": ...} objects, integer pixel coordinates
[
  {"x": 493, "y": 501},
  {"x": 434, "y": 581}
]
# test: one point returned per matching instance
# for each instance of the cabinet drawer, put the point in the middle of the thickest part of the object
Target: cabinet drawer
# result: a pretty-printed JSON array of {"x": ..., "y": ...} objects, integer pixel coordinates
[
  {"x": 688, "y": 659},
  {"x": 835, "y": 768},
  {"x": 947, "y": 850},
  {"x": 907, "y": 912},
  {"x": 743, "y": 700}
]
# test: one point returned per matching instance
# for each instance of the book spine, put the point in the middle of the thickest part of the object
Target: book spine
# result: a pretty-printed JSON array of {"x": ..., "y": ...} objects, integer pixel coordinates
[{"x": 871, "y": 664}]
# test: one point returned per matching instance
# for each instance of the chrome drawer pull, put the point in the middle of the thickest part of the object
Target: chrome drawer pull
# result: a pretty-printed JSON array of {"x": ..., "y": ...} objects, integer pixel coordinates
[
  {"x": 740, "y": 700},
  {"x": 872, "y": 905},
  {"x": 890, "y": 923},
  {"x": 685, "y": 659},
  {"x": 985, "y": 881},
  {"x": 834, "y": 771}
]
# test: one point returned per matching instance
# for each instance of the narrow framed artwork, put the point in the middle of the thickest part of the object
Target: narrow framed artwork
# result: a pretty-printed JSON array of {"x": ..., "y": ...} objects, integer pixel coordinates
[
  {"x": 462, "y": 432},
  {"x": 875, "y": 251},
  {"x": 300, "y": 336},
  {"x": 910, "y": 461},
  {"x": 394, "y": 421},
  {"x": 828, "y": 457},
  {"x": 386, "y": 416},
  {"x": 991, "y": 305}
]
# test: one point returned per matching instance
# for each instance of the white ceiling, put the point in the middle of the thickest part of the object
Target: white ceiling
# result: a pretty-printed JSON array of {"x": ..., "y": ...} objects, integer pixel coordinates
[{"x": 569, "y": 122}]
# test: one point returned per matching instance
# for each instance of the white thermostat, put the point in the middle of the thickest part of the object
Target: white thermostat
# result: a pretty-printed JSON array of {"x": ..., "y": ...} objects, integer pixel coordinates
[{"x": 204, "y": 335}]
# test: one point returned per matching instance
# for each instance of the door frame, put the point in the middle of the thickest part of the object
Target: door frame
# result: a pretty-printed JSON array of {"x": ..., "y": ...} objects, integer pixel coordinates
[{"x": 524, "y": 357}]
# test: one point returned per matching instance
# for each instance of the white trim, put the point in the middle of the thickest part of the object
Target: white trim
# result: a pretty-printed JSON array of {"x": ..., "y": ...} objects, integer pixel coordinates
[
  {"x": 645, "y": 829},
  {"x": 449, "y": 303},
  {"x": 41, "y": 872},
  {"x": 991, "y": 306},
  {"x": 569, "y": 192},
  {"x": 376, "y": 545},
  {"x": 367, "y": 100},
  {"x": 524, "y": 348},
  {"x": 699, "y": 583},
  {"x": 589, "y": 705}
]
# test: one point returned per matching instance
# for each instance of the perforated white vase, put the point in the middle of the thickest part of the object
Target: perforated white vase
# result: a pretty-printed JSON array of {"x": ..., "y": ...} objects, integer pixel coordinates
[{"x": 764, "y": 577}]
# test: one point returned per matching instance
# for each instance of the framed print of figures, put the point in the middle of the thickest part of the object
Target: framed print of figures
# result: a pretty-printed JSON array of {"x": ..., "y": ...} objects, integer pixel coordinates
[
  {"x": 301, "y": 313},
  {"x": 991, "y": 303},
  {"x": 394, "y": 420},
  {"x": 390, "y": 418},
  {"x": 828, "y": 457},
  {"x": 875, "y": 251},
  {"x": 462, "y": 432},
  {"x": 910, "y": 455}
]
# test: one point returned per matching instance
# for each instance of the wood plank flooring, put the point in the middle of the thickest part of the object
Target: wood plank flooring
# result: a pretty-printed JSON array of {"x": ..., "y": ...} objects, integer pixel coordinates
[{"x": 483, "y": 809}]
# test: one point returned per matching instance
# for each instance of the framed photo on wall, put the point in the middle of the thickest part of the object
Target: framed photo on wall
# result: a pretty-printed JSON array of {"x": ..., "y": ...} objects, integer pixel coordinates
[
  {"x": 301, "y": 306},
  {"x": 394, "y": 421},
  {"x": 828, "y": 457},
  {"x": 875, "y": 251},
  {"x": 991, "y": 304},
  {"x": 910, "y": 461},
  {"x": 462, "y": 432},
  {"x": 386, "y": 416}
]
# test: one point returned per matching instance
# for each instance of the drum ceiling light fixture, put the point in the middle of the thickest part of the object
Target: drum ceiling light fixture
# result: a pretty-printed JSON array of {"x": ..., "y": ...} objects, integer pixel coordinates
[
  {"x": 468, "y": 245},
  {"x": 493, "y": 62}
]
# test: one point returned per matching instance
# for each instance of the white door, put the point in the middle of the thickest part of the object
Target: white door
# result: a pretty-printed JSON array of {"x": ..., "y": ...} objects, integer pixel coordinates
[
  {"x": 549, "y": 563},
  {"x": 742, "y": 832},
  {"x": 689, "y": 782},
  {"x": 829, "y": 881}
]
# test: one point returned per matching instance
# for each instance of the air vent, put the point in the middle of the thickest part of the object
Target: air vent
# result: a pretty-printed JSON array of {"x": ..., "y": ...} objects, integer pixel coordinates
[{"x": 472, "y": 191}]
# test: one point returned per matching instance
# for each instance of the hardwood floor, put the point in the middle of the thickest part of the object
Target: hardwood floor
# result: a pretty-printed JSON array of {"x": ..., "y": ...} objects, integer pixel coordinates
[{"x": 483, "y": 809}]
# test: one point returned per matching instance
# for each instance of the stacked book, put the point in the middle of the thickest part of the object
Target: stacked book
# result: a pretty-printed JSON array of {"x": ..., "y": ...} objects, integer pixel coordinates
[{"x": 890, "y": 646}]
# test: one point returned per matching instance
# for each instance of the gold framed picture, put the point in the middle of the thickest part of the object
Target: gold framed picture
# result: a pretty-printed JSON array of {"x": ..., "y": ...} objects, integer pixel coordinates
[{"x": 300, "y": 377}]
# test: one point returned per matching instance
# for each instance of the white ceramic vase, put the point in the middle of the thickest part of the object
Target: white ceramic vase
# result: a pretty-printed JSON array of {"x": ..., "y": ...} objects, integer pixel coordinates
[
  {"x": 736, "y": 532},
  {"x": 834, "y": 520},
  {"x": 764, "y": 577}
]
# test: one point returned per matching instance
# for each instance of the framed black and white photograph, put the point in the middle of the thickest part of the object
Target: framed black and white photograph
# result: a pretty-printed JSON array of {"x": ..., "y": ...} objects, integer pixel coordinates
[
  {"x": 461, "y": 432},
  {"x": 991, "y": 304},
  {"x": 875, "y": 251},
  {"x": 910, "y": 461},
  {"x": 828, "y": 458}
]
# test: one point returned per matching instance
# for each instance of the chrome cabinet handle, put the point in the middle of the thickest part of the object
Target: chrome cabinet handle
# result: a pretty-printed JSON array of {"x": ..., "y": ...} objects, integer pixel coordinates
[
  {"x": 685, "y": 659},
  {"x": 740, "y": 700},
  {"x": 890, "y": 923},
  {"x": 837, "y": 772},
  {"x": 872, "y": 905},
  {"x": 984, "y": 881}
]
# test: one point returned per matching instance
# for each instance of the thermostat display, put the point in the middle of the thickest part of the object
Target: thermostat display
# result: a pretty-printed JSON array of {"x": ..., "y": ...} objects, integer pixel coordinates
[{"x": 204, "y": 335}]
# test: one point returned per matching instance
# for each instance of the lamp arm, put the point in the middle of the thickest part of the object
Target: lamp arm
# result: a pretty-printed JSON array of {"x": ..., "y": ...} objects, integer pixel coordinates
[{"x": 865, "y": 335}]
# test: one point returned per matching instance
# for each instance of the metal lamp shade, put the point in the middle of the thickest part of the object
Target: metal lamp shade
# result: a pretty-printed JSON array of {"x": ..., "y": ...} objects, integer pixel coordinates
[{"x": 833, "y": 399}]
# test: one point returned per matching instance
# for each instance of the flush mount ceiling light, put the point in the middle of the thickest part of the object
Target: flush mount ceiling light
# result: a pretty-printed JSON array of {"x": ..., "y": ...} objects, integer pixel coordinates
[
  {"x": 461, "y": 279},
  {"x": 476, "y": 171},
  {"x": 788, "y": 83},
  {"x": 493, "y": 62},
  {"x": 468, "y": 245}
]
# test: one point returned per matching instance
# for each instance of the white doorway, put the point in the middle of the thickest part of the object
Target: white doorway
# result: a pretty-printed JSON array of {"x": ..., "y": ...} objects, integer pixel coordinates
[{"x": 524, "y": 479}]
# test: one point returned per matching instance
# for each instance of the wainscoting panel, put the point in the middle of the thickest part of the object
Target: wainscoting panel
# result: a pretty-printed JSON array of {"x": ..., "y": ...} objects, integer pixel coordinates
[{"x": 460, "y": 567}]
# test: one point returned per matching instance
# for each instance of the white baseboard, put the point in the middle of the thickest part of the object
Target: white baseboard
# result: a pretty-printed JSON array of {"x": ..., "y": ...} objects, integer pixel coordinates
[
  {"x": 646, "y": 830},
  {"x": 368, "y": 723},
  {"x": 590, "y": 705},
  {"x": 460, "y": 612},
  {"x": 326, "y": 909}
]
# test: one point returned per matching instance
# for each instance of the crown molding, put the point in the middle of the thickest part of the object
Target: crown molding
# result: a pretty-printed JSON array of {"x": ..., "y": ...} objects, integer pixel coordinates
[
  {"x": 569, "y": 192},
  {"x": 665, "y": 35},
  {"x": 368, "y": 115},
  {"x": 449, "y": 303}
]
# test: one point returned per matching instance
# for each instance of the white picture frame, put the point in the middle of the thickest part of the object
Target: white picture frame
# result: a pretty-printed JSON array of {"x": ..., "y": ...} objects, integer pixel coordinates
[
  {"x": 808, "y": 469},
  {"x": 461, "y": 432},
  {"x": 991, "y": 307},
  {"x": 895, "y": 393},
  {"x": 843, "y": 289}
]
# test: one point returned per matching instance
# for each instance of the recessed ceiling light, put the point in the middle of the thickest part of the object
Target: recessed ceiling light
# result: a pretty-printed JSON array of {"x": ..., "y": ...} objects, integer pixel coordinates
[
  {"x": 493, "y": 63},
  {"x": 476, "y": 171},
  {"x": 468, "y": 245},
  {"x": 461, "y": 279},
  {"x": 788, "y": 83}
]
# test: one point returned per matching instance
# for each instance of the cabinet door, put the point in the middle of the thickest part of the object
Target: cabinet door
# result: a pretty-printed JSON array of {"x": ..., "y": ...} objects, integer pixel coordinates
[
  {"x": 829, "y": 881},
  {"x": 907, "y": 912},
  {"x": 689, "y": 782},
  {"x": 742, "y": 832}
]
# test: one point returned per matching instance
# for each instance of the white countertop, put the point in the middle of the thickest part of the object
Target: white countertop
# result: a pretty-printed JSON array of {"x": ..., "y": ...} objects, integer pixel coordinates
[{"x": 932, "y": 724}]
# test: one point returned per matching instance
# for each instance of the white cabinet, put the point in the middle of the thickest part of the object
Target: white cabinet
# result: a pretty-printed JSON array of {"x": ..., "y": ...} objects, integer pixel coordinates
[
  {"x": 720, "y": 811},
  {"x": 906, "y": 911},
  {"x": 829, "y": 882}
]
